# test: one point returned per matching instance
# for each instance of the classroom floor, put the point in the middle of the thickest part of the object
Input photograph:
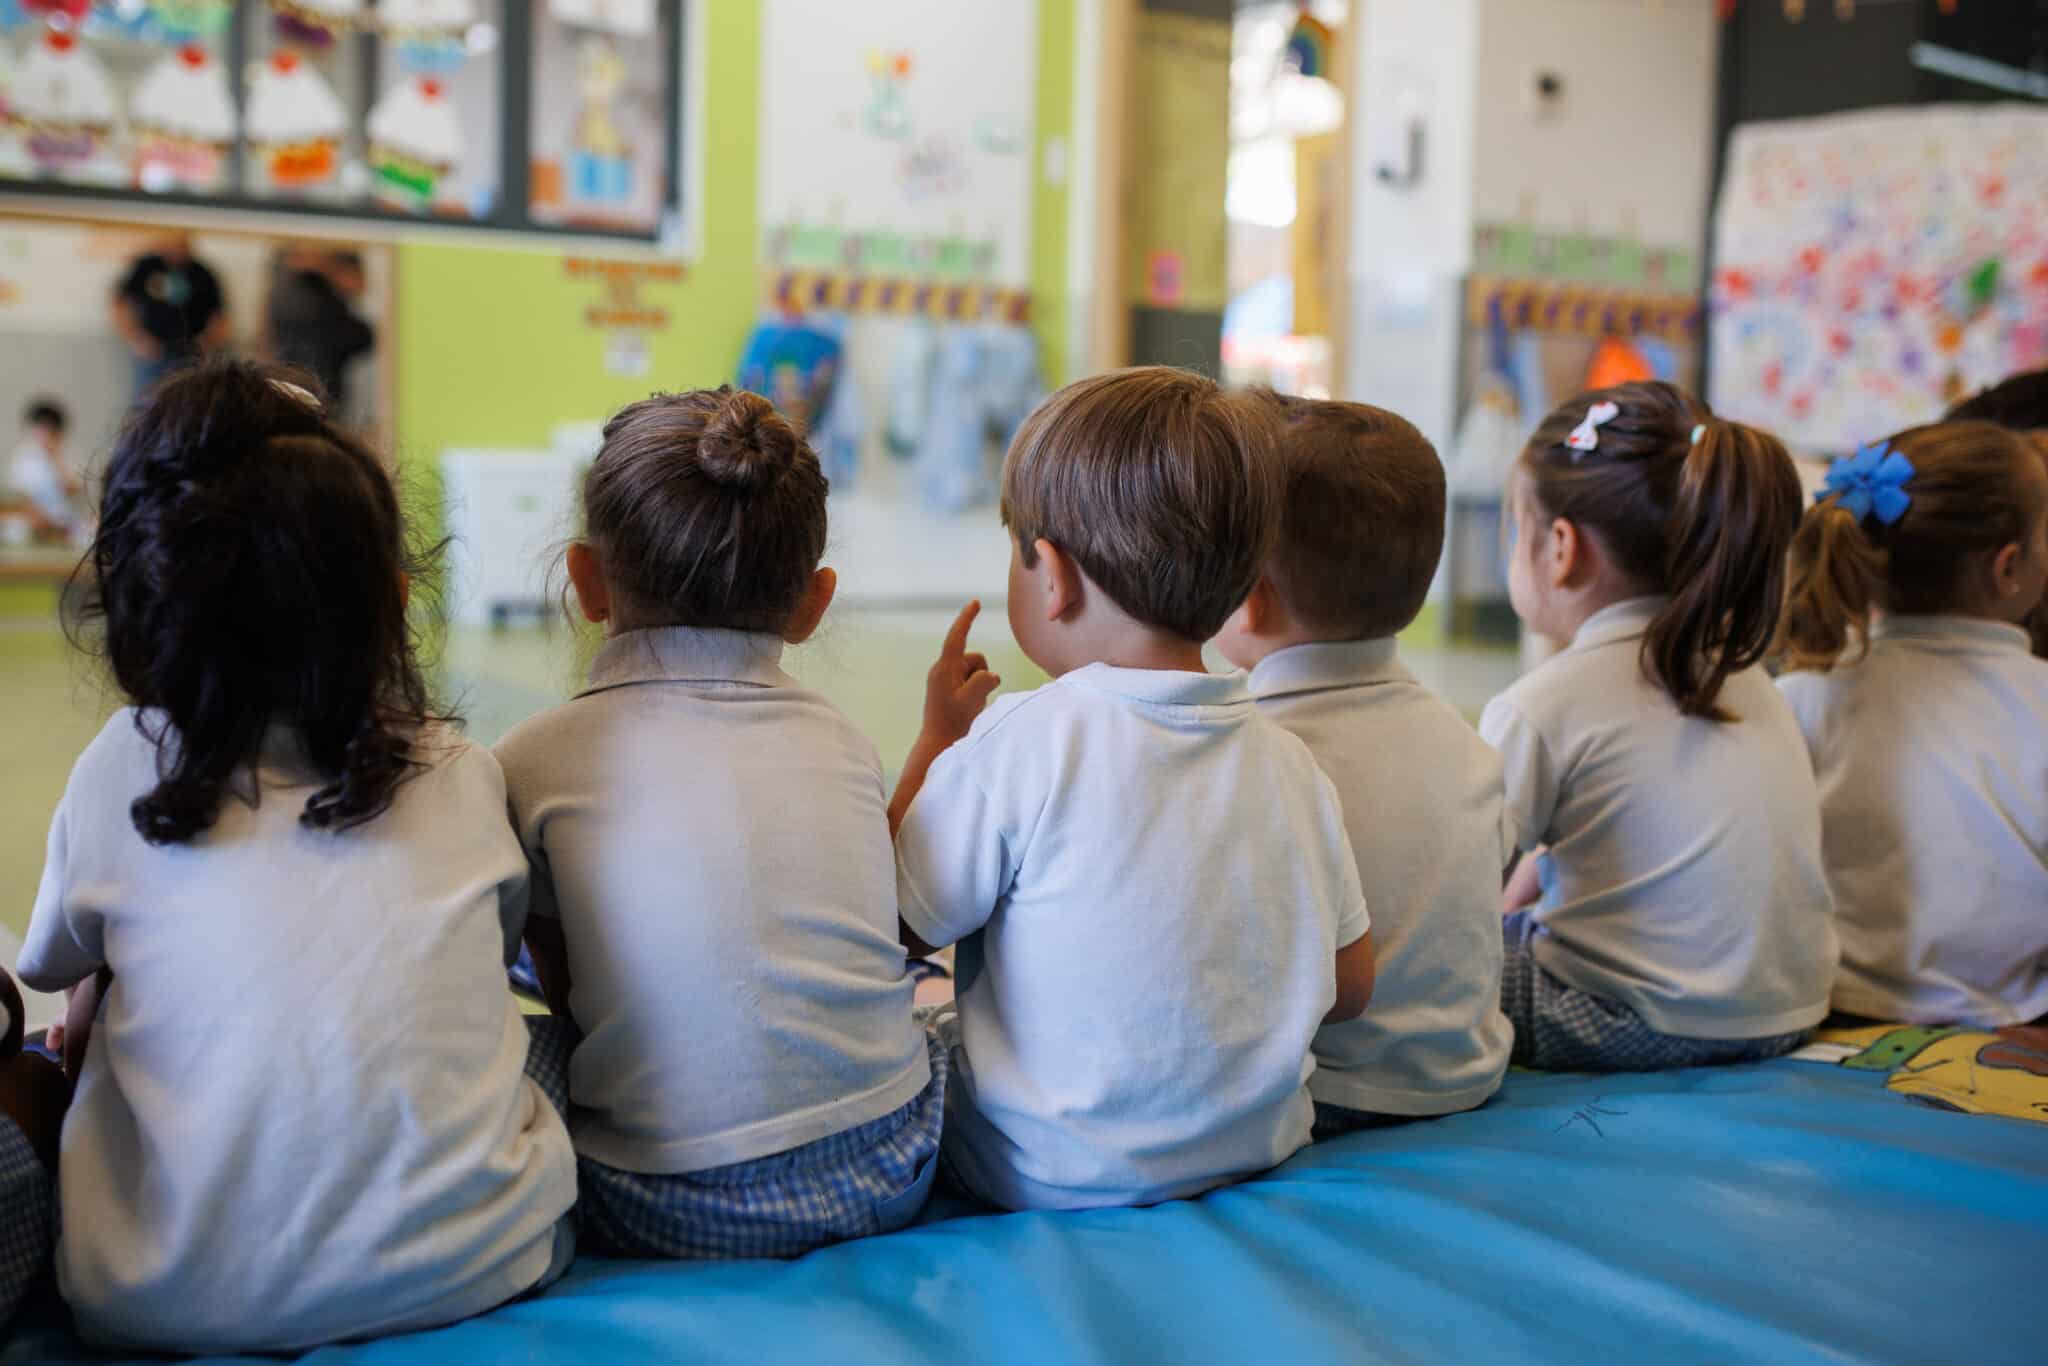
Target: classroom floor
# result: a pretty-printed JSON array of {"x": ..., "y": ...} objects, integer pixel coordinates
[{"x": 871, "y": 662}]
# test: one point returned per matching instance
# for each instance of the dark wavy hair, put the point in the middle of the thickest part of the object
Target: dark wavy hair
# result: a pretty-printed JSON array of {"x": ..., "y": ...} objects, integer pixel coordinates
[{"x": 251, "y": 570}]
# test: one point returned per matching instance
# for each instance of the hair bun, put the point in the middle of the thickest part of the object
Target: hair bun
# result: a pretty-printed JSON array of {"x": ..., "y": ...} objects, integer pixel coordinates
[{"x": 746, "y": 445}]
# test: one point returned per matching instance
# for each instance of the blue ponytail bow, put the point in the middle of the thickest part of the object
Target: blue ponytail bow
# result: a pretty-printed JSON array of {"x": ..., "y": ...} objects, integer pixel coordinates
[{"x": 1870, "y": 483}]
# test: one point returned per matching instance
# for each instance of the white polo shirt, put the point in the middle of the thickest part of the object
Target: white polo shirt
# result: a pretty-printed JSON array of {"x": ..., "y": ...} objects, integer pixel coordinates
[
  {"x": 1932, "y": 756},
  {"x": 1427, "y": 820},
  {"x": 303, "y": 1115},
  {"x": 1684, "y": 875},
  {"x": 1161, "y": 882},
  {"x": 715, "y": 842}
]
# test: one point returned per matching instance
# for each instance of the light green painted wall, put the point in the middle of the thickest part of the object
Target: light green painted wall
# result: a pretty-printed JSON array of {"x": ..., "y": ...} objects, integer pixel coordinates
[
  {"x": 493, "y": 347},
  {"x": 1049, "y": 246}
]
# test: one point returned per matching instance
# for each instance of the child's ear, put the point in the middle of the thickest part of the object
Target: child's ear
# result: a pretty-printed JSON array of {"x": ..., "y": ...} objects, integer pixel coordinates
[
  {"x": 1261, "y": 610},
  {"x": 586, "y": 576},
  {"x": 803, "y": 624},
  {"x": 1568, "y": 557},
  {"x": 2008, "y": 566},
  {"x": 1061, "y": 578}
]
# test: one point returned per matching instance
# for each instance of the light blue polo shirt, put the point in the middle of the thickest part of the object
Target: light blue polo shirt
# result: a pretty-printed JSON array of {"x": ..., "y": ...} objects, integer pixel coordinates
[{"x": 1158, "y": 880}]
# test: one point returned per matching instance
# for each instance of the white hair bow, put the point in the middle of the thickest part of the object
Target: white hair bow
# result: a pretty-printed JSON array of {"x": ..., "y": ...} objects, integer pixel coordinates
[{"x": 1586, "y": 436}]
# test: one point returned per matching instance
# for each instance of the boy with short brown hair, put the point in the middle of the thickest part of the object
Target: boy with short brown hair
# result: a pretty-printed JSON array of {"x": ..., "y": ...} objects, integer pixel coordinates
[
  {"x": 1361, "y": 530},
  {"x": 1153, "y": 882}
]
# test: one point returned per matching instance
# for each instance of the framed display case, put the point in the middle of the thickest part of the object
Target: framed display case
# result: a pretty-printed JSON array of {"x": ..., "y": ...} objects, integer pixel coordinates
[{"x": 551, "y": 116}]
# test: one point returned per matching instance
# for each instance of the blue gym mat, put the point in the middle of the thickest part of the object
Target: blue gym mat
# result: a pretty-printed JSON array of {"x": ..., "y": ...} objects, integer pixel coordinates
[{"x": 1785, "y": 1212}]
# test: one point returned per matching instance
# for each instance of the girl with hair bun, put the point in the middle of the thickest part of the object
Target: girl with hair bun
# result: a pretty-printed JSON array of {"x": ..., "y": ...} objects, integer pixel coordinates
[
  {"x": 714, "y": 886},
  {"x": 1680, "y": 913},
  {"x": 1926, "y": 712},
  {"x": 283, "y": 888}
]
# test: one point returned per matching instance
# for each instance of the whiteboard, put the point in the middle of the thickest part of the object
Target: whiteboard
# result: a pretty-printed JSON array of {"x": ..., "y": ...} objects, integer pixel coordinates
[{"x": 897, "y": 138}]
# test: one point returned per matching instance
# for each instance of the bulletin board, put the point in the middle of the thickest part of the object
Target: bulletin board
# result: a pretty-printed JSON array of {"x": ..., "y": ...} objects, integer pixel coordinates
[
  {"x": 1872, "y": 268},
  {"x": 896, "y": 138},
  {"x": 561, "y": 117}
]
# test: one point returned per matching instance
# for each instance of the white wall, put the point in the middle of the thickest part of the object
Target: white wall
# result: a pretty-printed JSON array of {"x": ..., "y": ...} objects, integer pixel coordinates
[
  {"x": 1629, "y": 147},
  {"x": 1411, "y": 244}
]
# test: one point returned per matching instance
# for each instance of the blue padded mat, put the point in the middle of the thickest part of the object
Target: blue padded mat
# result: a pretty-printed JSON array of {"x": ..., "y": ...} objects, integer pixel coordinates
[{"x": 1783, "y": 1212}]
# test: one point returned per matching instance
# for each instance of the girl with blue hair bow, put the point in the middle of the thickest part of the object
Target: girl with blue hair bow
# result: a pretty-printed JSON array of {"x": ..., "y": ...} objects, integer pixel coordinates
[{"x": 1926, "y": 714}]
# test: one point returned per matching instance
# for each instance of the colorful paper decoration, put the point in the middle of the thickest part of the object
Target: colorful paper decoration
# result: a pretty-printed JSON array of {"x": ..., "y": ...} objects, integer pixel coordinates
[
  {"x": 191, "y": 21},
  {"x": 600, "y": 160},
  {"x": 69, "y": 13},
  {"x": 315, "y": 23},
  {"x": 295, "y": 122},
  {"x": 429, "y": 36},
  {"x": 1872, "y": 268},
  {"x": 415, "y": 142},
  {"x": 182, "y": 119},
  {"x": 628, "y": 18},
  {"x": 63, "y": 102},
  {"x": 1561, "y": 309},
  {"x": 1309, "y": 45},
  {"x": 799, "y": 291},
  {"x": 887, "y": 114}
]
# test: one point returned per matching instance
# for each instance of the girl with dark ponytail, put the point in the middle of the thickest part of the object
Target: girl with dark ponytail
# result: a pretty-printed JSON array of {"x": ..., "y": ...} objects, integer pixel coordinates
[
  {"x": 289, "y": 888},
  {"x": 1914, "y": 581},
  {"x": 1680, "y": 914}
]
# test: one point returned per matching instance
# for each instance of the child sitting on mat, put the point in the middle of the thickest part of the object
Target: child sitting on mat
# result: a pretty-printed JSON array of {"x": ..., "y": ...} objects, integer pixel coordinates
[
  {"x": 1927, "y": 717},
  {"x": 34, "y": 1094},
  {"x": 1683, "y": 915},
  {"x": 301, "y": 1115},
  {"x": 713, "y": 917},
  {"x": 1158, "y": 900},
  {"x": 1361, "y": 529}
]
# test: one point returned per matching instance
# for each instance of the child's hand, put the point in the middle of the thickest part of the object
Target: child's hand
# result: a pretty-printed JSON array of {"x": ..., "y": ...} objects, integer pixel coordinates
[{"x": 958, "y": 686}]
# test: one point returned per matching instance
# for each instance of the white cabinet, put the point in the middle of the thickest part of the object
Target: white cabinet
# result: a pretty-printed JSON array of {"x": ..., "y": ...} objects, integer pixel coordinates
[{"x": 509, "y": 514}]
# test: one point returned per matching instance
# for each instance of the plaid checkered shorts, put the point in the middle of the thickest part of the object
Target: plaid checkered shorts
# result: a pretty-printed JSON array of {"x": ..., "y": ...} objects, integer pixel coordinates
[
  {"x": 873, "y": 1178},
  {"x": 28, "y": 1211},
  {"x": 1561, "y": 1029}
]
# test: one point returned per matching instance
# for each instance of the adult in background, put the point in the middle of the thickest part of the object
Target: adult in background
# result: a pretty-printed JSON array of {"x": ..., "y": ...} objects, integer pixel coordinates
[
  {"x": 314, "y": 325},
  {"x": 169, "y": 309}
]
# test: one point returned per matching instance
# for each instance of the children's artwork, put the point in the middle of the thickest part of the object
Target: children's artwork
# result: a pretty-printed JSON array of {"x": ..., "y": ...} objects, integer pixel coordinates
[
  {"x": 64, "y": 102},
  {"x": 430, "y": 36},
  {"x": 885, "y": 138},
  {"x": 1873, "y": 268},
  {"x": 628, "y": 18},
  {"x": 601, "y": 116},
  {"x": 296, "y": 124},
  {"x": 315, "y": 23},
  {"x": 181, "y": 120},
  {"x": 187, "y": 21},
  {"x": 68, "y": 13},
  {"x": 601, "y": 159},
  {"x": 415, "y": 142}
]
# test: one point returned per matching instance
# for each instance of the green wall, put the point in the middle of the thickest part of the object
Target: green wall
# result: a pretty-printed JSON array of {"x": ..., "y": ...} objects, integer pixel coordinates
[{"x": 493, "y": 347}]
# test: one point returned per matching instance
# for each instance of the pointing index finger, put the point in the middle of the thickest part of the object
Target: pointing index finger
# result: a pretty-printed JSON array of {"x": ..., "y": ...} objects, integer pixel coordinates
[{"x": 956, "y": 637}]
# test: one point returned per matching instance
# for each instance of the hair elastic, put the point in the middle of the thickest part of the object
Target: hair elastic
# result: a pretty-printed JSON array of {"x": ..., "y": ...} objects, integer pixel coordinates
[{"x": 1698, "y": 432}]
